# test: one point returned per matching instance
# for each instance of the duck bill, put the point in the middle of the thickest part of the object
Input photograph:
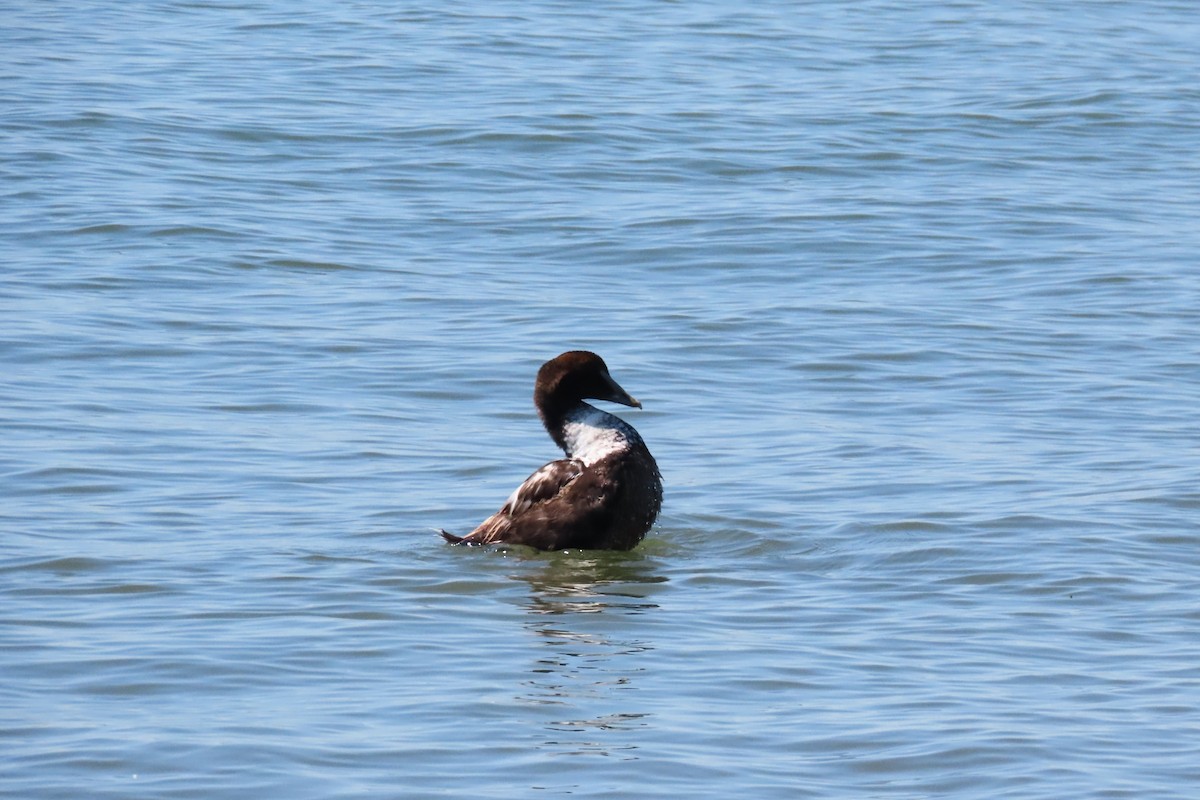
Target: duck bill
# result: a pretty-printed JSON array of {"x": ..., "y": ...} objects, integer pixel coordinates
[{"x": 618, "y": 395}]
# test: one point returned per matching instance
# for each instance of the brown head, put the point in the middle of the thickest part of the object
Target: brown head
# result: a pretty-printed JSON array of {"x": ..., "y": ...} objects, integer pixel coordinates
[{"x": 574, "y": 376}]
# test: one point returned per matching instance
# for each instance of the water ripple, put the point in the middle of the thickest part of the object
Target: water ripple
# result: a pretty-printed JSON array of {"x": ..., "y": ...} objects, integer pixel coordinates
[{"x": 909, "y": 294}]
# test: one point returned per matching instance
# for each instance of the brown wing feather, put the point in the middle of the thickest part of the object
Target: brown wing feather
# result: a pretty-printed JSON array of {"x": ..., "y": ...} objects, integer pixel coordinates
[
  {"x": 540, "y": 488},
  {"x": 609, "y": 505},
  {"x": 542, "y": 485},
  {"x": 574, "y": 518}
]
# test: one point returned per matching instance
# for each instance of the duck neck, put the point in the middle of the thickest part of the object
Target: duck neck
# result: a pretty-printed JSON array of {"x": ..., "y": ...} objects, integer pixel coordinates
[{"x": 586, "y": 433}]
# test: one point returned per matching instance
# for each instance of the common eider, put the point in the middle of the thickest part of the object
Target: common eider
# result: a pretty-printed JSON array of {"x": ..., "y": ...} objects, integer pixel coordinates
[{"x": 605, "y": 495}]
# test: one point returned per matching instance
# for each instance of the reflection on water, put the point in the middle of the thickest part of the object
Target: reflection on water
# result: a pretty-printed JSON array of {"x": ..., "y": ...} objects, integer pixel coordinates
[
  {"x": 575, "y": 582},
  {"x": 589, "y": 651}
]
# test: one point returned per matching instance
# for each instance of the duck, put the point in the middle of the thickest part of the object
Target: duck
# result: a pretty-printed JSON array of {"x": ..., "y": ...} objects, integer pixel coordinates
[{"x": 606, "y": 493}]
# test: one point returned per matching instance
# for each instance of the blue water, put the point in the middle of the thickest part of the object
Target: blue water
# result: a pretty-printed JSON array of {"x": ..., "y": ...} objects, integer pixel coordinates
[{"x": 910, "y": 293}]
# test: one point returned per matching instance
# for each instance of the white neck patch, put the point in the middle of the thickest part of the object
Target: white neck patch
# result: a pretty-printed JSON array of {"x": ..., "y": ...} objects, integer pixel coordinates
[{"x": 591, "y": 434}]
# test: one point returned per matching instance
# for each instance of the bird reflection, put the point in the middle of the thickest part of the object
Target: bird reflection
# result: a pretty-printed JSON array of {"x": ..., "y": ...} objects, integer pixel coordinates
[
  {"x": 589, "y": 649},
  {"x": 575, "y": 582}
]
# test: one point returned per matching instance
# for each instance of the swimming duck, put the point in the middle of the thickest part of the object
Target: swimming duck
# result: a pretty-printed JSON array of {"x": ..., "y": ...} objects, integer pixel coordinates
[{"x": 605, "y": 494}]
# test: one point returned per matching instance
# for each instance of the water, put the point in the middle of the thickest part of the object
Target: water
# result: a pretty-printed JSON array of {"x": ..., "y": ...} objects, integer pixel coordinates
[{"x": 910, "y": 295}]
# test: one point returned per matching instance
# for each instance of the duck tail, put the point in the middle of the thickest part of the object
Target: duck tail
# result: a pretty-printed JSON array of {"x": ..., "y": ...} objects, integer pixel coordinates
[{"x": 450, "y": 537}]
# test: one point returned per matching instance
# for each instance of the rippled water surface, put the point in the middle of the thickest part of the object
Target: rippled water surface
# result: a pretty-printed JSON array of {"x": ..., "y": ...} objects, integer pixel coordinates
[{"x": 911, "y": 295}]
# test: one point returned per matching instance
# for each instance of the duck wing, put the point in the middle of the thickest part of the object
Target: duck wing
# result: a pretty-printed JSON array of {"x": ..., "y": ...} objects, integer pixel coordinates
[
  {"x": 528, "y": 501},
  {"x": 545, "y": 484}
]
